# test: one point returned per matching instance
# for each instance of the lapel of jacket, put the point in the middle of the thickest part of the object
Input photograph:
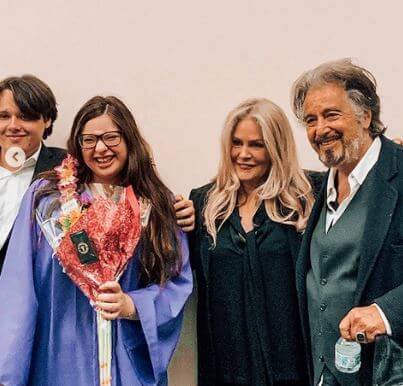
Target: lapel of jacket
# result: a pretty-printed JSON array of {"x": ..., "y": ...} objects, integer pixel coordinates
[
  {"x": 381, "y": 204},
  {"x": 199, "y": 200},
  {"x": 302, "y": 267},
  {"x": 205, "y": 244},
  {"x": 44, "y": 161},
  {"x": 303, "y": 261}
]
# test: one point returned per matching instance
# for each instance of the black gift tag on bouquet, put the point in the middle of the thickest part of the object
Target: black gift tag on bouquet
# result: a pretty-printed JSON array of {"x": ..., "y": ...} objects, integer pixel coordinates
[{"x": 84, "y": 248}]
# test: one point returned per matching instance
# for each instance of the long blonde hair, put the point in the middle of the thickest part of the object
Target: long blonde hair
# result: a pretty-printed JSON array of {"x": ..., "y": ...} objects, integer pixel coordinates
[{"x": 286, "y": 192}]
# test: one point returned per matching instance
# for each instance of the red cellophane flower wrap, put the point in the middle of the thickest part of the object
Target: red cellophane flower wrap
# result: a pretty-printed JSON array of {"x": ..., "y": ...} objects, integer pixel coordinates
[{"x": 114, "y": 230}]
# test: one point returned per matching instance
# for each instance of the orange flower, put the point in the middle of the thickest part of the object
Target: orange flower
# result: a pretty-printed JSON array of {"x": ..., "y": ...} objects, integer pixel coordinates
[{"x": 75, "y": 215}]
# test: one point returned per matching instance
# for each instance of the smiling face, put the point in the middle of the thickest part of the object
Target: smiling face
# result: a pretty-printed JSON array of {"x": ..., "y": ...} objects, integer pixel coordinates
[
  {"x": 106, "y": 163},
  {"x": 16, "y": 129},
  {"x": 334, "y": 130},
  {"x": 249, "y": 155}
]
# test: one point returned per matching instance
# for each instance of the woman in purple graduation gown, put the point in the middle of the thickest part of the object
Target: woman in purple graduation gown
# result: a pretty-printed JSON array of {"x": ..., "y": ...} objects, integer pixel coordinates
[{"x": 48, "y": 327}]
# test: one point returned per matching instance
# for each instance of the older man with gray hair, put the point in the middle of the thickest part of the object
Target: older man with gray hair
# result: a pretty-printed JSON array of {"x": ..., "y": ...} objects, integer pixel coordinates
[{"x": 350, "y": 266}]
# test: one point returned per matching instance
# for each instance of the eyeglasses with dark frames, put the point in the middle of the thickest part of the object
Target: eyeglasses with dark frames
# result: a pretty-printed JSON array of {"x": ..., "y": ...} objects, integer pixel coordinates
[{"x": 110, "y": 139}]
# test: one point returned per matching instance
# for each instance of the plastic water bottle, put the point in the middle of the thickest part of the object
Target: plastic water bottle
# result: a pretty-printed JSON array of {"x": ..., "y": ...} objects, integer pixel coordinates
[{"x": 347, "y": 356}]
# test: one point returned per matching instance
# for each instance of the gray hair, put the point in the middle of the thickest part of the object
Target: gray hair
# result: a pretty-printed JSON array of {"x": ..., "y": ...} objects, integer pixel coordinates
[{"x": 358, "y": 82}]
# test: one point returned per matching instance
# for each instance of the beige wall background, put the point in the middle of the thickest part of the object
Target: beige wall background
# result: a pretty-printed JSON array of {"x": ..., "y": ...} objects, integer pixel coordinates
[{"x": 182, "y": 65}]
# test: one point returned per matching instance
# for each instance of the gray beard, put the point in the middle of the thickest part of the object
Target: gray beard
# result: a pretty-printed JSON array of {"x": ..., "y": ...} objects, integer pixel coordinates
[
  {"x": 349, "y": 153},
  {"x": 331, "y": 158}
]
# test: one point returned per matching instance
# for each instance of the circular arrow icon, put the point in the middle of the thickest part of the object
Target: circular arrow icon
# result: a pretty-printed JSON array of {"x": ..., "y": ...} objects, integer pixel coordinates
[{"x": 15, "y": 156}]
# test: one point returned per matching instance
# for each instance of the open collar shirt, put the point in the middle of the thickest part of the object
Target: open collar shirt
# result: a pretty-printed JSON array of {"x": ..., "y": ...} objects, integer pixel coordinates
[
  {"x": 355, "y": 180},
  {"x": 13, "y": 185}
]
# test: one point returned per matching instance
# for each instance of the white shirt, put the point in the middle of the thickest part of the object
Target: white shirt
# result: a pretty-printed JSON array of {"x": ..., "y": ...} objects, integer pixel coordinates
[
  {"x": 355, "y": 180},
  {"x": 13, "y": 185}
]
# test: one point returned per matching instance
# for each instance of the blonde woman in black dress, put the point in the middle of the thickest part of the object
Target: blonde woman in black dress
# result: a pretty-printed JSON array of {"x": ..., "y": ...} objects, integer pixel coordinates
[{"x": 248, "y": 227}]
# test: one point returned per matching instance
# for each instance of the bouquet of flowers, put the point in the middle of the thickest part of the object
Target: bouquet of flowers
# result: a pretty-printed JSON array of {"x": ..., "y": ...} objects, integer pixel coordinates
[{"x": 97, "y": 236}]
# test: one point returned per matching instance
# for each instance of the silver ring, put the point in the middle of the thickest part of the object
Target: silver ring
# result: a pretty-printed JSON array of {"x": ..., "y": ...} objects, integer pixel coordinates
[{"x": 360, "y": 337}]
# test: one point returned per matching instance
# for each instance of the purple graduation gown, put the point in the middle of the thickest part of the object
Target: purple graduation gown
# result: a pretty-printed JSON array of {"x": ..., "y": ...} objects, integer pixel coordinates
[{"x": 48, "y": 328}]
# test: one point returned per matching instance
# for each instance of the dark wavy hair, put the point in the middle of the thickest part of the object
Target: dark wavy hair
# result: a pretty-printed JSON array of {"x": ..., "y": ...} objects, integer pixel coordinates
[
  {"x": 161, "y": 257},
  {"x": 33, "y": 97}
]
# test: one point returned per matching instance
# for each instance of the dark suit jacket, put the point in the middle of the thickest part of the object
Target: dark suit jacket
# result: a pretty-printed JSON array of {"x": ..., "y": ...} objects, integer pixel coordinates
[
  {"x": 289, "y": 347},
  {"x": 49, "y": 157},
  {"x": 380, "y": 272}
]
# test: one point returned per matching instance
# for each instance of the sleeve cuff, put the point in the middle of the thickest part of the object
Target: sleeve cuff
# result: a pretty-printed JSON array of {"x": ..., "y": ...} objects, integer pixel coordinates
[{"x": 385, "y": 320}]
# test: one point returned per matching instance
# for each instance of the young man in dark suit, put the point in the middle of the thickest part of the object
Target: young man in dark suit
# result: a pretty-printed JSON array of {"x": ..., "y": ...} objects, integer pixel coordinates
[
  {"x": 27, "y": 113},
  {"x": 349, "y": 270}
]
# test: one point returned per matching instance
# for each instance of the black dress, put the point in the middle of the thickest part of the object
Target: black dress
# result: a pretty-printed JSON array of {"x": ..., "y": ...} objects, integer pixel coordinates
[{"x": 248, "y": 322}]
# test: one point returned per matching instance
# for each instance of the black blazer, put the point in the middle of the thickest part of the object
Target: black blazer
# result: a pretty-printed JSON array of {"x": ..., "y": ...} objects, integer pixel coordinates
[
  {"x": 292, "y": 345},
  {"x": 380, "y": 272},
  {"x": 49, "y": 157}
]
